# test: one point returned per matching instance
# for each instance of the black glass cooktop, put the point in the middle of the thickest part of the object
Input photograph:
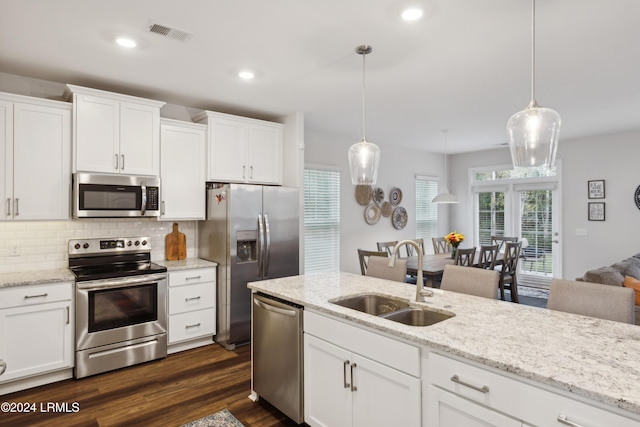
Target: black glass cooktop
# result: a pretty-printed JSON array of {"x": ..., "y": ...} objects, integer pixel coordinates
[{"x": 111, "y": 267}]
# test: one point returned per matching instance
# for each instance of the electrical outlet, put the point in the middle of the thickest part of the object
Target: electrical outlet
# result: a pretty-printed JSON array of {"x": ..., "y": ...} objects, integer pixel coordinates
[
  {"x": 14, "y": 250},
  {"x": 581, "y": 231}
]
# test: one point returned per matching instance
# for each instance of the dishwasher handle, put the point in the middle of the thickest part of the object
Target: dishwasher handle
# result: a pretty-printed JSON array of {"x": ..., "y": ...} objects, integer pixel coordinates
[{"x": 269, "y": 307}]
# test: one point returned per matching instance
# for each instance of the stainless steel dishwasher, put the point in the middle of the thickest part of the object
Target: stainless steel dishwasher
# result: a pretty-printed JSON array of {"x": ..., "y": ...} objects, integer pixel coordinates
[{"x": 277, "y": 354}]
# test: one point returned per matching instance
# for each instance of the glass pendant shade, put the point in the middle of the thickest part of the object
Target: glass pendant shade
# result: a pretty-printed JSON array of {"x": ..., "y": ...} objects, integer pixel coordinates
[
  {"x": 533, "y": 137},
  {"x": 364, "y": 158}
]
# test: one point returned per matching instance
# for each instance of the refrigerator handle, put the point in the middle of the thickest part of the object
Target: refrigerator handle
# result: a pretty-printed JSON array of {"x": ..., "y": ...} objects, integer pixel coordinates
[
  {"x": 260, "y": 244},
  {"x": 267, "y": 255}
]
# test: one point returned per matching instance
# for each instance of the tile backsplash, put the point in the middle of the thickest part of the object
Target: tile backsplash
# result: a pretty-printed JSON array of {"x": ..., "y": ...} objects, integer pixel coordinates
[{"x": 43, "y": 245}]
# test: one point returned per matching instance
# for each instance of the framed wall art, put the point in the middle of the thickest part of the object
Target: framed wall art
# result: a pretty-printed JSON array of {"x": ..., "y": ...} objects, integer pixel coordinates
[
  {"x": 596, "y": 189},
  {"x": 596, "y": 211}
]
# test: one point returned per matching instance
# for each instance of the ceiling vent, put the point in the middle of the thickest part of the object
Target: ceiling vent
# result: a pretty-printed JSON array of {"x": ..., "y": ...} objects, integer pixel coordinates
[{"x": 170, "y": 32}]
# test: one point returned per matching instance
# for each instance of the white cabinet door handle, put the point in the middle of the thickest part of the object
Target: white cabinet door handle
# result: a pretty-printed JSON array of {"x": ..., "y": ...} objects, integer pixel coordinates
[
  {"x": 8, "y": 206},
  {"x": 562, "y": 419},
  {"x": 116, "y": 168},
  {"x": 344, "y": 374},
  {"x": 122, "y": 162},
  {"x": 483, "y": 389},
  {"x": 251, "y": 172},
  {"x": 16, "y": 208},
  {"x": 353, "y": 385}
]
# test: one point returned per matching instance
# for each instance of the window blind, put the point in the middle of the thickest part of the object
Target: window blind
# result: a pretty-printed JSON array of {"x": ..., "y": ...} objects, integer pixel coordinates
[
  {"x": 426, "y": 212},
  {"x": 491, "y": 216},
  {"x": 321, "y": 220}
]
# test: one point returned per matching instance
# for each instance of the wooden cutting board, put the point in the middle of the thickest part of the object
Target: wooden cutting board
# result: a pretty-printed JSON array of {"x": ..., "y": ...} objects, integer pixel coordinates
[{"x": 175, "y": 244}]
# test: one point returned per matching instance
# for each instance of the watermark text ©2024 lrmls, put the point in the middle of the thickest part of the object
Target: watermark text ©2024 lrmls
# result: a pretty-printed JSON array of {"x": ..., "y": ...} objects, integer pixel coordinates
[{"x": 25, "y": 407}]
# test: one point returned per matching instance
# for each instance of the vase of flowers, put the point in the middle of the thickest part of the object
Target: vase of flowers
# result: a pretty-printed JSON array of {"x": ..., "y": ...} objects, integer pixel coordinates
[{"x": 454, "y": 238}]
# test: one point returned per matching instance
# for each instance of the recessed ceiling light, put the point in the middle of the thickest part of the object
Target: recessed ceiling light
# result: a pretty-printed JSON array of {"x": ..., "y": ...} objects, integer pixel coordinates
[
  {"x": 125, "y": 42},
  {"x": 411, "y": 14},
  {"x": 246, "y": 75}
]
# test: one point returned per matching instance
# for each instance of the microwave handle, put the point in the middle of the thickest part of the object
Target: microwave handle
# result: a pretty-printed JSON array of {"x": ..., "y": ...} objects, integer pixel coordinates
[{"x": 143, "y": 208}]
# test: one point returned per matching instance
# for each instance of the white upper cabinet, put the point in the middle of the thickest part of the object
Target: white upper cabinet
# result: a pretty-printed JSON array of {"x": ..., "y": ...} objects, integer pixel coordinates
[
  {"x": 115, "y": 133},
  {"x": 182, "y": 169},
  {"x": 242, "y": 149},
  {"x": 35, "y": 151}
]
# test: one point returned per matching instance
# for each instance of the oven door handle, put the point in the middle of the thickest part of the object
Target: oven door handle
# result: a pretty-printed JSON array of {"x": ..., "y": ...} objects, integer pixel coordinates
[{"x": 121, "y": 282}]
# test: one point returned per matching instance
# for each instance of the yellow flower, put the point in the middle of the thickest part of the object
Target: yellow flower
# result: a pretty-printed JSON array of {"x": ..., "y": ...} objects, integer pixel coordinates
[{"x": 454, "y": 238}]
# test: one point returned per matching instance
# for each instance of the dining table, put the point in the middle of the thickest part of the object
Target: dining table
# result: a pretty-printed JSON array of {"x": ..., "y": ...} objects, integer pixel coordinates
[{"x": 433, "y": 265}]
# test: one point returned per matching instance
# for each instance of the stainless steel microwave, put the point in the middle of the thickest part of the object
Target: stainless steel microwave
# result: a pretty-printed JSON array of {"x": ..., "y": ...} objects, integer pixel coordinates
[{"x": 115, "y": 196}]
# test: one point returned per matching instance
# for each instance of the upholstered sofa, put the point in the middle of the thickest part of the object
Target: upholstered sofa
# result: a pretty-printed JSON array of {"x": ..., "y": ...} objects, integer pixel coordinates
[{"x": 614, "y": 275}]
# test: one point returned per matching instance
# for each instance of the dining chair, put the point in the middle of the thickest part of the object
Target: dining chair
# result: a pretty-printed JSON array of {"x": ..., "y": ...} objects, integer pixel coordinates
[
  {"x": 464, "y": 257},
  {"x": 488, "y": 257},
  {"x": 388, "y": 247},
  {"x": 364, "y": 257},
  {"x": 440, "y": 245},
  {"x": 500, "y": 241},
  {"x": 508, "y": 273},
  {"x": 379, "y": 267},
  {"x": 411, "y": 250},
  {"x": 615, "y": 303},
  {"x": 471, "y": 281}
]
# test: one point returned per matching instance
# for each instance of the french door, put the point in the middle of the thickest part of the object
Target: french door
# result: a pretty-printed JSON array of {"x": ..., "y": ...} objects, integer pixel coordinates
[{"x": 530, "y": 210}]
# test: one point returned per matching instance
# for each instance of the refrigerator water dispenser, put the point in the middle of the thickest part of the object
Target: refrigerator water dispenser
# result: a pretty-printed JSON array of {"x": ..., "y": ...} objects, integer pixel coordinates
[{"x": 246, "y": 245}]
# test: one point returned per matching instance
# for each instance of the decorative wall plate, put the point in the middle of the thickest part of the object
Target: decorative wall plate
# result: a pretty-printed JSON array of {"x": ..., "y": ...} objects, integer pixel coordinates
[
  {"x": 378, "y": 195},
  {"x": 395, "y": 197},
  {"x": 363, "y": 194},
  {"x": 399, "y": 218},
  {"x": 372, "y": 214},
  {"x": 387, "y": 209}
]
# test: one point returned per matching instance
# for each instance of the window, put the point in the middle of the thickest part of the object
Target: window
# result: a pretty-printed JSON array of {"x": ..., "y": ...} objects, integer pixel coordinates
[
  {"x": 321, "y": 220},
  {"x": 490, "y": 216},
  {"x": 426, "y": 212}
]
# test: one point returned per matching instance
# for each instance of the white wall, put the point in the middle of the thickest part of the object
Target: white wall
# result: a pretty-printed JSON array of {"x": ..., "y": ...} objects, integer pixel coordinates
[
  {"x": 613, "y": 158},
  {"x": 397, "y": 169}
]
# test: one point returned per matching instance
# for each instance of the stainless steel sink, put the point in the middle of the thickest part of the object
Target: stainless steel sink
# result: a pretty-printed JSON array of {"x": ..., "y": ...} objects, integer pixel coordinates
[
  {"x": 373, "y": 304},
  {"x": 416, "y": 316}
]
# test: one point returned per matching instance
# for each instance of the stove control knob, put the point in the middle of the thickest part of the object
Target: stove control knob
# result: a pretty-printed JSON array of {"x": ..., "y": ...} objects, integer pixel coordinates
[
  {"x": 86, "y": 245},
  {"x": 144, "y": 243},
  {"x": 137, "y": 242},
  {"x": 77, "y": 246},
  {"x": 129, "y": 243}
]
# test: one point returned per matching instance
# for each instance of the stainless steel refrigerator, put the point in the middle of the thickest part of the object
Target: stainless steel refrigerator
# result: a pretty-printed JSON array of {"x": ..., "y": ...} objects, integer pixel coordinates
[{"x": 251, "y": 231}]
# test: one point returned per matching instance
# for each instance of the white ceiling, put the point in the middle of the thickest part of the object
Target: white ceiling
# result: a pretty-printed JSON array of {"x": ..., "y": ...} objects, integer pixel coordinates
[{"x": 464, "y": 66}]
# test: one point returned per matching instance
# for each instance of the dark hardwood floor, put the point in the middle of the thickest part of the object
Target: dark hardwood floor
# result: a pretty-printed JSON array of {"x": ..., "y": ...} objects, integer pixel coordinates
[{"x": 169, "y": 392}]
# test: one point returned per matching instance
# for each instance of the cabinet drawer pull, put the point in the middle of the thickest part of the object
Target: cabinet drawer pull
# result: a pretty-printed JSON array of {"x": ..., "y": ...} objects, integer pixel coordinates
[
  {"x": 8, "y": 206},
  {"x": 116, "y": 168},
  {"x": 344, "y": 374},
  {"x": 562, "y": 419},
  {"x": 68, "y": 316},
  {"x": 483, "y": 389},
  {"x": 192, "y": 278},
  {"x": 192, "y": 298},
  {"x": 16, "y": 208},
  {"x": 3, "y": 366},
  {"x": 122, "y": 162},
  {"x": 36, "y": 296},
  {"x": 192, "y": 326},
  {"x": 353, "y": 385}
]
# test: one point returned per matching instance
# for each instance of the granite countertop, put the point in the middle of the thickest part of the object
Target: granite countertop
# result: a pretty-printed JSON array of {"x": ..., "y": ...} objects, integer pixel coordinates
[
  {"x": 37, "y": 277},
  {"x": 594, "y": 358},
  {"x": 186, "y": 264}
]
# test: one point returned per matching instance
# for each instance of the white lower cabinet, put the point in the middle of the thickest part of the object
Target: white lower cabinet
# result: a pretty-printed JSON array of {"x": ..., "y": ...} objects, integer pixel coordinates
[
  {"x": 36, "y": 330},
  {"x": 466, "y": 394},
  {"x": 343, "y": 387},
  {"x": 192, "y": 308},
  {"x": 450, "y": 410}
]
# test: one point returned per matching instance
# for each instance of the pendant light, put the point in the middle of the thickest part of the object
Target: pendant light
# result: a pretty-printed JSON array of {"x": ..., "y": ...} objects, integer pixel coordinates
[
  {"x": 533, "y": 132},
  {"x": 445, "y": 196},
  {"x": 364, "y": 156}
]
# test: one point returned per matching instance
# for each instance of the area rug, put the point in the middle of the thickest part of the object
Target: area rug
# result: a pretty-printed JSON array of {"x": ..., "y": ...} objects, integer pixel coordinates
[{"x": 219, "y": 419}]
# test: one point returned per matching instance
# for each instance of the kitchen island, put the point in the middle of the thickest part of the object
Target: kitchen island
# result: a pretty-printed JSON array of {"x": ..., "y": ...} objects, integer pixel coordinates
[{"x": 590, "y": 360}]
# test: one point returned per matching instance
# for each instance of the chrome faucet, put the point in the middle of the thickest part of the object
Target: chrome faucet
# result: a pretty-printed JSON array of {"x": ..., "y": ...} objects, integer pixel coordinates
[{"x": 420, "y": 291}]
